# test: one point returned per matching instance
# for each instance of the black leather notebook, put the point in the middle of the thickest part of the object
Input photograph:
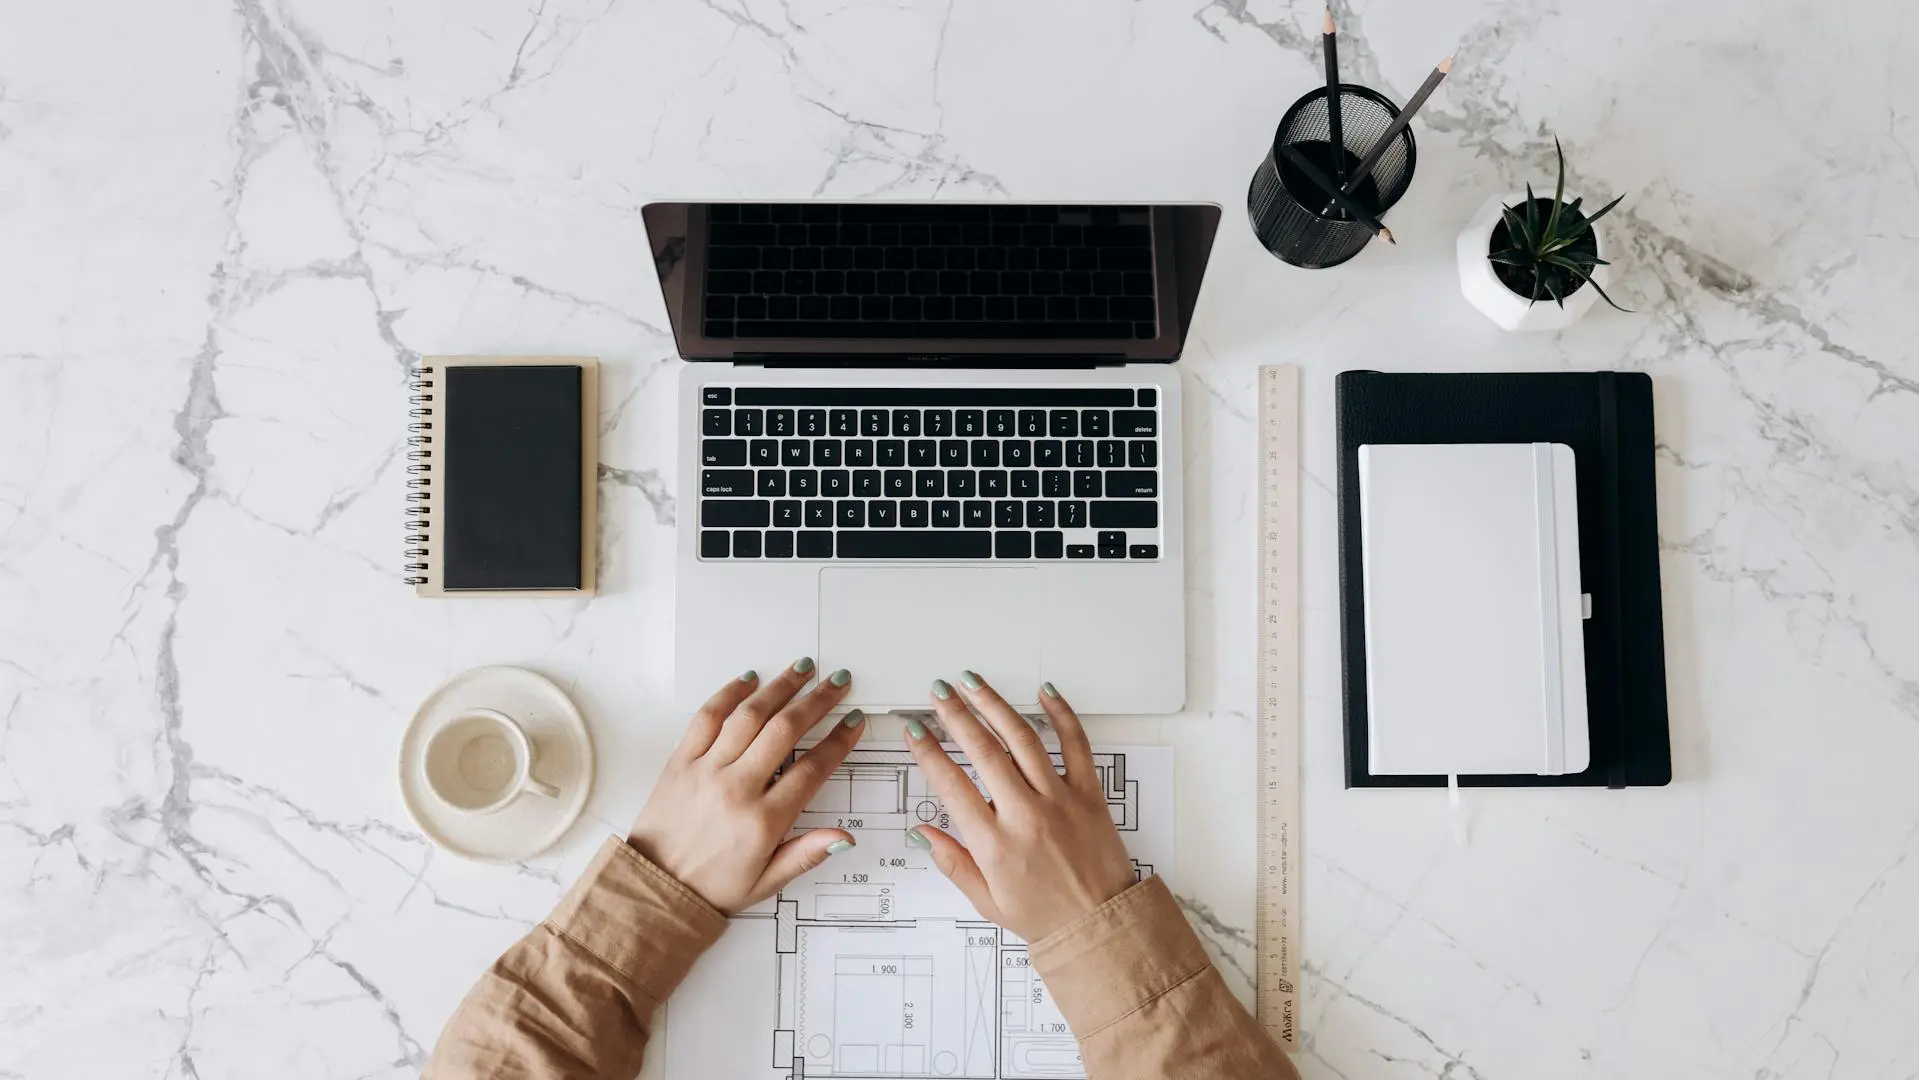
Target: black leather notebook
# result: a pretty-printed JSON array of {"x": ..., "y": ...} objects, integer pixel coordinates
[
  {"x": 504, "y": 457},
  {"x": 1606, "y": 418}
]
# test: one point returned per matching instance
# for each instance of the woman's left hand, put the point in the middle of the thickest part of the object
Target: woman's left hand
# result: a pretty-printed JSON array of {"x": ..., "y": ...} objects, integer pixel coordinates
[{"x": 718, "y": 819}]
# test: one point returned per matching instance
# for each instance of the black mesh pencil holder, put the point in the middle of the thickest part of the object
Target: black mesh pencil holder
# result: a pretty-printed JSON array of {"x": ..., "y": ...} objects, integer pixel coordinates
[{"x": 1292, "y": 216}]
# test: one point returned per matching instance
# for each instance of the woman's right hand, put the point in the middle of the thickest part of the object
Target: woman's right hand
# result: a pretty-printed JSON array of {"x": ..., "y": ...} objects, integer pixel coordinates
[{"x": 1044, "y": 851}]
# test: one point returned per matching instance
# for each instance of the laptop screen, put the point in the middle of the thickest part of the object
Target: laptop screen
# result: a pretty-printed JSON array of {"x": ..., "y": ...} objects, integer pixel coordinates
[{"x": 930, "y": 283}]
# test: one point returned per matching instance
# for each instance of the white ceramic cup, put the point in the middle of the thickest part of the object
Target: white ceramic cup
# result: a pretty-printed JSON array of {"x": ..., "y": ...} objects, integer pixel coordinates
[{"x": 480, "y": 761}]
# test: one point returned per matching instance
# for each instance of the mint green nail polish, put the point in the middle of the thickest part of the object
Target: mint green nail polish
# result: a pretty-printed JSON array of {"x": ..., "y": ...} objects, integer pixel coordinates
[
  {"x": 803, "y": 665},
  {"x": 749, "y": 675},
  {"x": 853, "y": 719},
  {"x": 1047, "y": 689},
  {"x": 972, "y": 680},
  {"x": 942, "y": 689},
  {"x": 918, "y": 839},
  {"x": 841, "y": 677},
  {"x": 838, "y": 846},
  {"x": 914, "y": 728}
]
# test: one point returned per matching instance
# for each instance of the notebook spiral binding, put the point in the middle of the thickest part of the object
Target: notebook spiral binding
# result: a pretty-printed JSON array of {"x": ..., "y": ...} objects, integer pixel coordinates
[{"x": 419, "y": 481}]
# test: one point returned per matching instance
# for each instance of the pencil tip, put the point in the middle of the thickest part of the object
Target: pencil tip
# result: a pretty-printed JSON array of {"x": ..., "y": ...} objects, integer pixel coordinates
[
  {"x": 1387, "y": 235},
  {"x": 1446, "y": 65},
  {"x": 1329, "y": 20}
]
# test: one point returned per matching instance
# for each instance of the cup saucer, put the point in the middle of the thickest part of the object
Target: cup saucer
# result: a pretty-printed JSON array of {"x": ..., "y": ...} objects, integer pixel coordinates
[{"x": 530, "y": 823}]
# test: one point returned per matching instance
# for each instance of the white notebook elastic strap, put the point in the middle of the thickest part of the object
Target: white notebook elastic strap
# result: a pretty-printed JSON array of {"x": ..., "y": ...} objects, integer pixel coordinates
[{"x": 1552, "y": 688}]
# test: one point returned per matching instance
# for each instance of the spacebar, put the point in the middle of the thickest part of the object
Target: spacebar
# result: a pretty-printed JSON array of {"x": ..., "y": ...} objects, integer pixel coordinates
[{"x": 914, "y": 544}]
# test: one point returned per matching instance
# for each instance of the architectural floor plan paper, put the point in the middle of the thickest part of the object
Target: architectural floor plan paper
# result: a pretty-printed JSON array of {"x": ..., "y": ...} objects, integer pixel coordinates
[{"x": 874, "y": 966}]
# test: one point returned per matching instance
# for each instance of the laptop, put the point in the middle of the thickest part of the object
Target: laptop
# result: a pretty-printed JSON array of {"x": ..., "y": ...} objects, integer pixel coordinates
[{"x": 918, "y": 438}]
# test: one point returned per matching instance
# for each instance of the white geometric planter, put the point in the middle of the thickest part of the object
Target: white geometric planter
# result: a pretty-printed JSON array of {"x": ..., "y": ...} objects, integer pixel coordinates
[{"x": 1506, "y": 308}]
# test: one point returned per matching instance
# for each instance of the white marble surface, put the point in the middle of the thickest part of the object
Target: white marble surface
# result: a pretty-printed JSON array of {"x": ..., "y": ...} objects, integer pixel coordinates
[{"x": 226, "y": 229}]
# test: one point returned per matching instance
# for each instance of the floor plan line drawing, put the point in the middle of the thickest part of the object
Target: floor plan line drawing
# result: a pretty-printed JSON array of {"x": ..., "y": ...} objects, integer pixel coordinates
[{"x": 873, "y": 966}]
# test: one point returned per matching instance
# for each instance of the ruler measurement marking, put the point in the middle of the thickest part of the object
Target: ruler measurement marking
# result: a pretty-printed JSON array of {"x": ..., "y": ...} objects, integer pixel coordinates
[{"x": 1278, "y": 926}]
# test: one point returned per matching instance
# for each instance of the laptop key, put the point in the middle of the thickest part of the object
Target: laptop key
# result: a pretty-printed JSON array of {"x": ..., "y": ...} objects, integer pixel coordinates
[
  {"x": 970, "y": 423},
  {"x": 779, "y": 544},
  {"x": 1025, "y": 484},
  {"x": 872, "y": 422},
  {"x": 786, "y": 513},
  {"x": 929, "y": 483},
  {"x": 1055, "y": 483},
  {"x": 1049, "y": 545},
  {"x": 1112, "y": 545},
  {"x": 843, "y": 422},
  {"x": 946, "y": 514},
  {"x": 992, "y": 483},
  {"x": 978, "y": 514},
  {"x": 725, "y": 482},
  {"x": 1079, "y": 551},
  {"x": 913, "y": 514},
  {"x": 1132, "y": 485},
  {"x": 1007, "y": 515},
  {"x": 723, "y": 452},
  {"x": 952, "y": 453},
  {"x": 1079, "y": 453},
  {"x": 1072, "y": 514},
  {"x": 962, "y": 483},
  {"x": 866, "y": 483},
  {"x": 1048, "y": 454},
  {"x": 793, "y": 452},
  {"x": 1062, "y": 423},
  {"x": 816, "y": 545},
  {"x": 749, "y": 421},
  {"x": 1017, "y": 453},
  {"x": 906, "y": 422},
  {"x": 812, "y": 423},
  {"x": 1086, "y": 484},
  {"x": 714, "y": 544},
  {"x": 803, "y": 483},
  {"x": 939, "y": 422},
  {"x": 922, "y": 453},
  {"x": 852, "y": 514},
  {"x": 746, "y": 544},
  {"x": 1142, "y": 453},
  {"x": 1032, "y": 423},
  {"x": 1012, "y": 545},
  {"x": 1126, "y": 514},
  {"x": 999, "y": 423},
  {"x": 892, "y": 452},
  {"x": 1039, "y": 514},
  {"x": 899, "y": 483},
  {"x": 716, "y": 395},
  {"x": 1112, "y": 454},
  {"x": 938, "y": 544},
  {"x": 716, "y": 422},
  {"x": 1135, "y": 423},
  {"x": 735, "y": 513},
  {"x": 826, "y": 452},
  {"x": 882, "y": 513},
  {"x": 1143, "y": 551},
  {"x": 985, "y": 453},
  {"x": 819, "y": 514},
  {"x": 859, "y": 452},
  {"x": 779, "y": 422},
  {"x": 834, "y": 483}
]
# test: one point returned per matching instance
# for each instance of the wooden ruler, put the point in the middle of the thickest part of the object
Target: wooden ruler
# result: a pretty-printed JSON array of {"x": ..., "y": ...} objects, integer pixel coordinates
[{"x": 1278, "y": 919}]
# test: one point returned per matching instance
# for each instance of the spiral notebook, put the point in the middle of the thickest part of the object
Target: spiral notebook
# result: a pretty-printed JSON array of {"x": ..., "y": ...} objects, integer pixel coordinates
[{"x": 502, "y": 472}]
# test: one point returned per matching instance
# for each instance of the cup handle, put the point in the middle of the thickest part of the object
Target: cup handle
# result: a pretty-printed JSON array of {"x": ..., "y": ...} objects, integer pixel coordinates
[{"x": 540, "y": 787}]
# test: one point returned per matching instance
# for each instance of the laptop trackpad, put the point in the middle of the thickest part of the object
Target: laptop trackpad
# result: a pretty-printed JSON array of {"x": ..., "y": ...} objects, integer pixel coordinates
[{"x": 899, "y": 629}]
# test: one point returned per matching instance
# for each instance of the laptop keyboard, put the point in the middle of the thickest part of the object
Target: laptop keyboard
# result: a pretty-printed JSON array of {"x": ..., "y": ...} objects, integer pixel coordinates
[
  {"x": 1004, "y": 473},
  {"x": 906, "y": 271}
]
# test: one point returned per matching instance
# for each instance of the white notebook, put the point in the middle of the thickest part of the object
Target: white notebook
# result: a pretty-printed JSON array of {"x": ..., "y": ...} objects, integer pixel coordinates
[{"x": 1475, "y": 658}]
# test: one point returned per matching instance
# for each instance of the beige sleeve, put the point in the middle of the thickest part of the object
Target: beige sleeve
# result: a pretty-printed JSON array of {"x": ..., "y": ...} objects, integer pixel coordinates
[
  {"x": 574, "y": 999},
  {"x": 1137, "y": 988}
]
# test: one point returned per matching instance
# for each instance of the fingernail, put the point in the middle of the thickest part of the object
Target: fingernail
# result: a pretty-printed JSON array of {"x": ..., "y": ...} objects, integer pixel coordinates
[
  {"x": 838, "y": 846},
  {"x": 942, "y": 689},
  {"x": 749, "y": 675},
  {"x": 841, "y": 677},
  {"x": 972, "y": 680},
  {"x": 803, "y": 665},
  {"x": 1047, "y": 689},
  {"x": 918, "y": 839},
  {"x": 915, "y": 729},
  {"x": 853, "y": 719}
]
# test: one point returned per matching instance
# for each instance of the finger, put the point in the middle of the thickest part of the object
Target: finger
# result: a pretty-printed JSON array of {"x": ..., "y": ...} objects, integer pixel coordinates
[
  {"x": 1021, "y": 740},
  {"x": 705, "y": 725},
  {"x": 781, "y": 734},
  {"x": 796, "y": 856},
  {"x": 802, "y": 779},
  {"x": 948, "y": 781},
  {"x": 995, "y": 766},
  {"x": 957, "y": 864},
  {"x": 743, "y": 726},
  {"x": 1074, "y": 746}
]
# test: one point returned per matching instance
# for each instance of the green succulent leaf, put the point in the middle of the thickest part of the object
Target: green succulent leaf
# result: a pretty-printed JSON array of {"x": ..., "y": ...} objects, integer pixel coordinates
[
  {"x": 1559, "y": 192},
  {"x": 1603, "y": 211}
]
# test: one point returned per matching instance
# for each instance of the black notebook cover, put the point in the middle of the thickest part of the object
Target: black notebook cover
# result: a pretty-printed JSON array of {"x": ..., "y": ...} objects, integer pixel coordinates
[
  {"x": 1606, "y": 417},
  {"x": 512, "y": 453}
]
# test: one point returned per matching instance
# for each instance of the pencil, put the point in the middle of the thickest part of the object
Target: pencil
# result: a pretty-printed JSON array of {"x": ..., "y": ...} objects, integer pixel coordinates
[
  {"x": 1332, "y": 191},
  {"x": 1335, "y": 122},
  {"x": 1393, "y": 129}
]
